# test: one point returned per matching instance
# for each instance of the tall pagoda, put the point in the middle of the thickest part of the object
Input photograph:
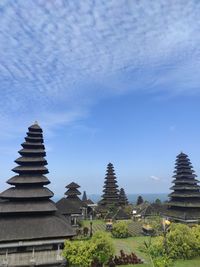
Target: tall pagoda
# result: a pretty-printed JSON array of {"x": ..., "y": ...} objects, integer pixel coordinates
[
  {"x": 71, "y": 205},
  {"x": 184, "y": 202},
  {"x": 111, "y": 192},
  {"x": 28, "y": 216},
  {"x": 123, "y": 200}
]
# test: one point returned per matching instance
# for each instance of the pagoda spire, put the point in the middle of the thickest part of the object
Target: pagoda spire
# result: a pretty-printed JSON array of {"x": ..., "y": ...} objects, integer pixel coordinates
[
  {"x": 184, "y": 202},
  {"x": 72, "y": 191},
  {"x": 84, "y": 197},
  {"x": 111, "y": 192},
  {"x": 123, "y": 198}
]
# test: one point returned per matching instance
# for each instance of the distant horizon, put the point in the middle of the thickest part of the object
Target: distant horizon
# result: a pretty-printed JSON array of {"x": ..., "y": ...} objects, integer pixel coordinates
[{"x": 151, "y": 197}]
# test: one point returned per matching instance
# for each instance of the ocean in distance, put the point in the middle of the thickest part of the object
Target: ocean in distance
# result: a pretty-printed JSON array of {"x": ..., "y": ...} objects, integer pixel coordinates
[{"x": 132, "y": 198}]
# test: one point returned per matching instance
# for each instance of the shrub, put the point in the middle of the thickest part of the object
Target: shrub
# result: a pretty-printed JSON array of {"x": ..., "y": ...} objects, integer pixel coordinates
[
  {"x": 181, "y": 242},
  {"x": 94, "y": 252},
  {"x": 78, "y": 253},
  {"x": 103, "y": 247},
  {"x": 120, "y": 230}
]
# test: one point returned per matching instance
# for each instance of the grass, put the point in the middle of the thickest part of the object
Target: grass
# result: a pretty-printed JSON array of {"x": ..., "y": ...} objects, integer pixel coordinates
[{"x": 132, "y": 244}]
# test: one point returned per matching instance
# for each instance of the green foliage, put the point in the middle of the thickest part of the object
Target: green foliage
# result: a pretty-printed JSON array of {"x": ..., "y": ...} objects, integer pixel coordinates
[
  {"x": 78, "y": 253},
  {"x": 196, "y": 232},
  {"x": 163, "y": 261},
  {"x": 156, "y": 224},
  {"x": 120, "y": 230},
  {"x": 158, "y": 201},
  {"x": 83, "y": 253},
  {"x": 181, "y": 242},
  {"x": 103, "y": 247}
]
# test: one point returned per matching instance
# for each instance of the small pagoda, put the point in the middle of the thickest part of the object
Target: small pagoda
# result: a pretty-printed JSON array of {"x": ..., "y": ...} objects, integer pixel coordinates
[
  {"x": 184, "y": 202},
  {"x": 123, "y": 200},
  {"x": 71, "y": 206},
  {"x": 28, "y": 216},
  {"x": 111, "y": 192}
]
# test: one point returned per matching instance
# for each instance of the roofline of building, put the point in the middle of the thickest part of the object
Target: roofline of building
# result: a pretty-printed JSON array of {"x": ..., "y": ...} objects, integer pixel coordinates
[{"x": 31, "y": 243}]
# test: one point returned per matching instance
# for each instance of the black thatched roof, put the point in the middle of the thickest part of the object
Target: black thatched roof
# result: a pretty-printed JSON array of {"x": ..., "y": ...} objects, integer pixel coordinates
[
  {"x": 72, "y": 192},
  {"x": 89, "y": 202},
  {"x": 185, "y": 199},
  {"x": 28, "y": 179},
  {"x": 72, "y": 185},
  {"x": 29, "y": 192},
  {"x": 29, "y": 206},
  {"x": 122, "y": 197},
  {"x": 27, "y": 212},
  {"x": 111, "y": 192},
  {"x": 120, "y": 214},
  {"x": 69, "y": 206},
  {"x": 34, "y": 228}
]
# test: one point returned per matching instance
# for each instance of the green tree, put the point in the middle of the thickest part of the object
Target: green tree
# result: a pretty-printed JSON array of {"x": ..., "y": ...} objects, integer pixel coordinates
[
  {"x": 120, "y": 230},
  {"x": 99, "y": 249},
  {"x": 158, "y": 201},
  {"x": 139, "y": 200},
  {"x": 181, "y": 242},
  {"x": 103, "y": 247},
  {"x": 78, "y": 253}
]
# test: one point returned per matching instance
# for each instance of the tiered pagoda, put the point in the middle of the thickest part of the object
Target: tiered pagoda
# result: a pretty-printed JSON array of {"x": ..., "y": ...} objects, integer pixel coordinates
[
  {"x": 123, "y": 200},
  {"x": 184, "y": 203},
  {"x": 28, "y": 216},
  {"x": 111, "y": 192},
  {"x": 71, "y": 205}
]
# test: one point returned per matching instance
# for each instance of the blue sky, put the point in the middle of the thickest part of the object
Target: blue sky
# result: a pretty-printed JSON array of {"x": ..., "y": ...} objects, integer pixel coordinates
[{"x": 108, "y": 81}]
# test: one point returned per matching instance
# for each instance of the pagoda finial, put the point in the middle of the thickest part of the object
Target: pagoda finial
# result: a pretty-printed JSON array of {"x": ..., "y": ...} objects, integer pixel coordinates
[{"x": 36, "y": 122}]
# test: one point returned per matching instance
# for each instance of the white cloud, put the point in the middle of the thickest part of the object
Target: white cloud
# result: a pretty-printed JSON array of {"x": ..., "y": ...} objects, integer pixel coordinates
[
  {"x": 155, "y": 178},
  {"x": 49, "y": 49}
]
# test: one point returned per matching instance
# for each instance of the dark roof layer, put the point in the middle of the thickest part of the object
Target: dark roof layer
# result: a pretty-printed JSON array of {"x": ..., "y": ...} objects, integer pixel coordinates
[
  {"x": 184, "y": 204},
  {"x": 183, "y": 215},
  {"x": 185, "y": 198},
  {"x": 29, "y": 192},
  {"x": 69, "y": 206},
  {"x": 33, "y": 228},
  {"x": 28, "y": 206},
  {"x": 72, "y": 185},
  {"x": 72, "y": 192},
  {"x": 28, "y": 179}
]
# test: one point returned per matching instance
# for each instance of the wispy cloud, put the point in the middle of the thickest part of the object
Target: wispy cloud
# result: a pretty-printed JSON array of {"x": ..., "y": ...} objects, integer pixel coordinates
[
  {"x": 54, "y": 53},
  {"x": 155, "y": 178}
]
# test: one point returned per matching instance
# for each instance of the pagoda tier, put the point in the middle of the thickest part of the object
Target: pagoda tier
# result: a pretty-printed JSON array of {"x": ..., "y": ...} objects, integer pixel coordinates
[
  {"x": 28, "y": 200},
  {"x": 186, "y": 192},
  {"x": 71, "y": 204},
  {"x": 123, "y": 198},
  {"x": 111, "y": 192},
  {"x": 72, "y": 191}
]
